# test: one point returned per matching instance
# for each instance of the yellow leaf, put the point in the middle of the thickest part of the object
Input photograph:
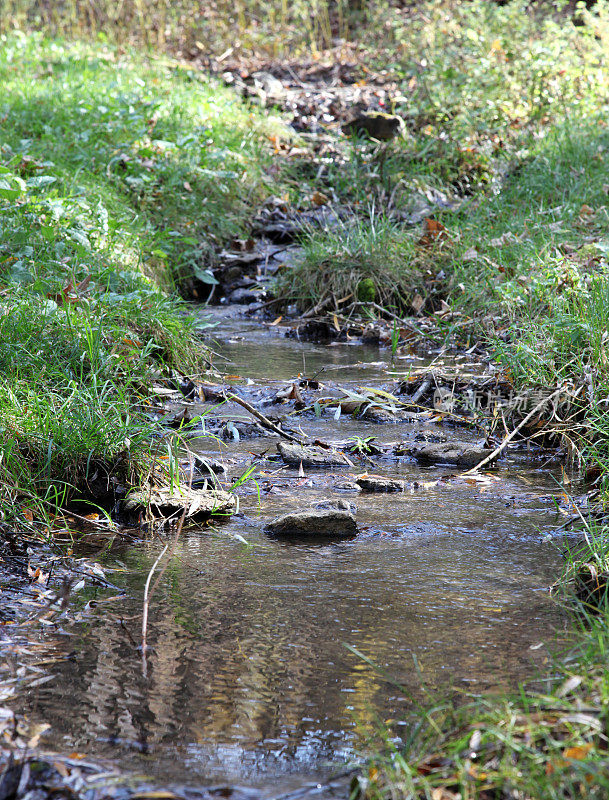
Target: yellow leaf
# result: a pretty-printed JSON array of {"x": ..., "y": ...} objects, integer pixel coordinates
[
  {"x": 496, "y": 47},
  {"x": 579, "y": 752}
]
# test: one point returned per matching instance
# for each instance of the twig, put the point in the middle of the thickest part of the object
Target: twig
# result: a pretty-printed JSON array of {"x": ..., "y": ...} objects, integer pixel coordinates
[
  {"x": 145, "y": 609},
  {"x": 147, "y": 587},
  {"x": 326, "y": 298},
  {"x": 264, "y": 420},
  {"x": 260, "y": 306},
  {"x": 410, "y": 325},
  {"x": 498, "y": 450}
]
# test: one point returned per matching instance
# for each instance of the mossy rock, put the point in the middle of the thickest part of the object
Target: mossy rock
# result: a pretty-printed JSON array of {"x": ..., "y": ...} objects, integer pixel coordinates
[{"x": 366, "y": 291}]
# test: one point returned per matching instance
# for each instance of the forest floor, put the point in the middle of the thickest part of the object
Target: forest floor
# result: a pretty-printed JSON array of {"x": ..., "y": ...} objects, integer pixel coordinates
[{"x": 482, "y": 228}]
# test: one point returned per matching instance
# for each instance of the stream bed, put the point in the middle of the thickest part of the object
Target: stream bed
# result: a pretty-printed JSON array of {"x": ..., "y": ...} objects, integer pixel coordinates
[{"x": 255, "y": 677}]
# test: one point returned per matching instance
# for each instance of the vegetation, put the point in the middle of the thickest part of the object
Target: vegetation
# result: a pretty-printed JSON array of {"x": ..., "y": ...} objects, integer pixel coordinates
[
  {"x": 508, "y": 156},
  {"x": 118, "y": 177}
]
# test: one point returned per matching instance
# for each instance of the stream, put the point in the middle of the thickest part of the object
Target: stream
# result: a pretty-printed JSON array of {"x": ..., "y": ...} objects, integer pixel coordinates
[{"x": 255, "y": 677}]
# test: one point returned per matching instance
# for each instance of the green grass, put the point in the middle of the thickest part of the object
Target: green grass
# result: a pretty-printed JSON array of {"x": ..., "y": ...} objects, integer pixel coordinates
[
  {"x": 119, "y": 178},
  {"x": 346, "y": 262}
]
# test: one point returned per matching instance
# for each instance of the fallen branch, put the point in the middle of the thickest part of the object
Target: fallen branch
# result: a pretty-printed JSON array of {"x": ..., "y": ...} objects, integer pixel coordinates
[
  {"x": 261, "y": 418},
  {"x": 498, "y": 450}
]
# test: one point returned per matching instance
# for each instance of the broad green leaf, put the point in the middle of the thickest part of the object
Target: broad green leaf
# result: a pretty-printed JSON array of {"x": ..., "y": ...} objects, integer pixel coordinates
[
  {"x": 40, "y": 181},
  {"x": 11, "y": 187},
  {"x": 205, "y": 276}
]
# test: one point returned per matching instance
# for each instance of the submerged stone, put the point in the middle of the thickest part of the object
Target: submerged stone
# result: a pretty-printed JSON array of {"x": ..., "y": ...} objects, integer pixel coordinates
[
  {"x": 332, "y": 523},
  {"x": 295, "y": 455},
  {"x": 383, "y": 415},
  {"x": 374, "y": 483}
]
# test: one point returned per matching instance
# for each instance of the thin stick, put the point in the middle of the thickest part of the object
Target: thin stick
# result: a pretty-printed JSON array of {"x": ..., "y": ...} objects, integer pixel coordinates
[
  {"x": 145, "y": 610},
  {"x": 266, "y": 422},
  {"x": 498, "y": 450},
  {"x": 147, "y": 587}
]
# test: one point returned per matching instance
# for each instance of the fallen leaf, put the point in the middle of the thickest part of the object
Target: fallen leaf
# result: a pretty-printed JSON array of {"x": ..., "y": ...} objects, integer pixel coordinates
[
  {"x": 36, "y": 732},
  {"x": 579, "y": 752},
  {"x": 417, "y": 303},
  {"x": 569, "y": 685},
  {"x": 506, "y": 238},
  {"x": 319, "y": 199},
  {"x": 434, "y": 231},
  {"x": 61, "y": 768}
]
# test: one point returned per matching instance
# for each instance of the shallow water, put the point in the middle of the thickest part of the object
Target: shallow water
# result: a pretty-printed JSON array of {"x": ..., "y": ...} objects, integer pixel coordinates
[{"x": 251, "y": 679}]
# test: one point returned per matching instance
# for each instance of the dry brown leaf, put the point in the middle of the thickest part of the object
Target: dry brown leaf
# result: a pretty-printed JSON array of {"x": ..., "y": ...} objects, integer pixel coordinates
[
  {"x": 434, "y": 231},
  {"x": 61, "y": 768},
  {"x": 319, "y": 199},
  {"x": 417, "y": 303}
]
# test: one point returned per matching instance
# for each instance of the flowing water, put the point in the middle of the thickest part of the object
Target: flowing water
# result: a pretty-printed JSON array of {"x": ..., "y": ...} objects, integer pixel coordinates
[{"x": 255, "y": 677}]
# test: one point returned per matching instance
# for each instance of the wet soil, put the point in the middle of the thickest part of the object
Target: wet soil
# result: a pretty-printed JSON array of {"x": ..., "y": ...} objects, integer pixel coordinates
[{"x": 271, "y": 660}]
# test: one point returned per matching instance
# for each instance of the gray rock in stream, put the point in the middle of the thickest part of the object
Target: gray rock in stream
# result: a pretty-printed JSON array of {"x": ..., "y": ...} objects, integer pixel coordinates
[
  {"x": 245, "y": 296},
  {"x": 332, "y": 523},
  {"x": 163, "y": 503},
  {"x": 462, "y": 454},
  {"x": 311, "y": 457},
  {"x": 340, "y": 505},
  {"x": 374, "y": 483}
]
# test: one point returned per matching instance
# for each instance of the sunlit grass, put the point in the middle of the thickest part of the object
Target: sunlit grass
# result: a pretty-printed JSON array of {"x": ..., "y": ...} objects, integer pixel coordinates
[{"x": 119, "y": 178}]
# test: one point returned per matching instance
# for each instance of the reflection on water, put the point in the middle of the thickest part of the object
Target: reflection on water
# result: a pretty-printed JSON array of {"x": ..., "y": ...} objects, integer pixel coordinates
[
  {"x": 245, "y": 348},
  {"x": 249, "y": 677}
]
